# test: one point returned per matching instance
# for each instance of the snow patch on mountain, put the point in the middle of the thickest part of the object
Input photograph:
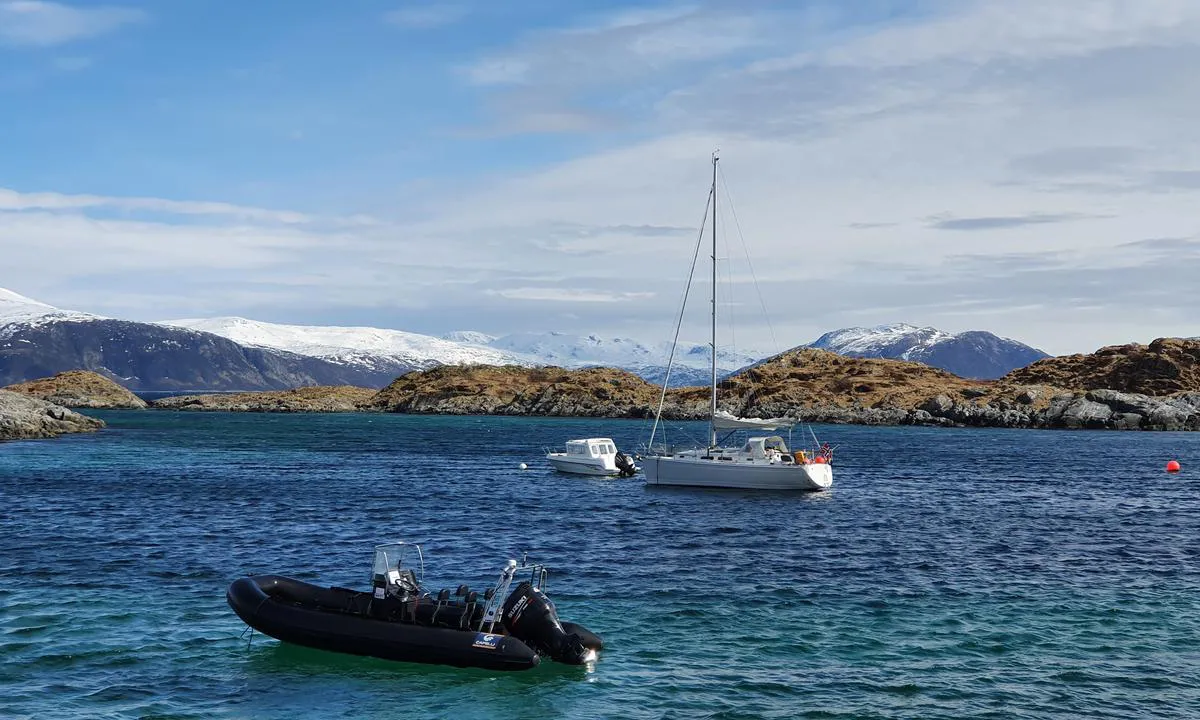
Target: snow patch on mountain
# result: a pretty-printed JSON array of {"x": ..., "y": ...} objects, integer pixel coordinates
[
  {"x": 472, "y": 337},
  {"x": 858, "y": 340},
  {"x": 569, "y": 350},
  {"x": 18, "y": 311},
  {"x": 363, "y": 346}
]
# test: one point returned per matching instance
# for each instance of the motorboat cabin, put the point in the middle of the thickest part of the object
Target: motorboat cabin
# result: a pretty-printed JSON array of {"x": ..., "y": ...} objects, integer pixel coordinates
[{"x": 592, "y": 456}]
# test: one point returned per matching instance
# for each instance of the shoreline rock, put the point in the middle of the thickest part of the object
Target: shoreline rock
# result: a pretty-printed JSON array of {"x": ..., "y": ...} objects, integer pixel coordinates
[{"x": 23, "y": 418}]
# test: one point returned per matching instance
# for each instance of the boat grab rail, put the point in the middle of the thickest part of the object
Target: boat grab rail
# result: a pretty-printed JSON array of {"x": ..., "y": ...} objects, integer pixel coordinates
[{"x": 493, "y": 611}]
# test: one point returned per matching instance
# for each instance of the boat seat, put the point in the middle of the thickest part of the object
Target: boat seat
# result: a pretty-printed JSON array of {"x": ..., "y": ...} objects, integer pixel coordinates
[
  {"x": 470, "y": 603},
  {"x": 442, "y": 598},
  {"x": 462, "y": 591}
]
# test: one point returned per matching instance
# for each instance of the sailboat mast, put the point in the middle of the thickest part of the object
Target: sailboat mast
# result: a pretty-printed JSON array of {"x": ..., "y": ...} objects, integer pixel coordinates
[{"x": 712, "y": 417}]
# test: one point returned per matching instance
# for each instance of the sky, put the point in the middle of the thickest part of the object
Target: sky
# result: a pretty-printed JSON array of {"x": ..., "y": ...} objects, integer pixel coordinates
[{"x": 1018, "y": 166}]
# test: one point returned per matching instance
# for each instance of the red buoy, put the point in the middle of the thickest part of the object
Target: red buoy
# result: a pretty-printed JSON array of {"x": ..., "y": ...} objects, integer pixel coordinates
[
  {"x": 1173, "y": 466},
  {"x": 819, "y": 460}
]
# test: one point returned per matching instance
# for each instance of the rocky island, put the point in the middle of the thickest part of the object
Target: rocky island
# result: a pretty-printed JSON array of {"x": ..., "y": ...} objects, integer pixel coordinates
[
  {"x": 317, "y": 398},
  {"x": 1151, "y": 387},
  {"x": 23, "y": 417},
  {"x": 80, "y": 389},
  {"x": 1155, "y": 386}
]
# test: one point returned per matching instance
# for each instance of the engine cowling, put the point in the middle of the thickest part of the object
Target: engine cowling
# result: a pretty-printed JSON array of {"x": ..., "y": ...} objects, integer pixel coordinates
[{"x": 530, "y": 617}]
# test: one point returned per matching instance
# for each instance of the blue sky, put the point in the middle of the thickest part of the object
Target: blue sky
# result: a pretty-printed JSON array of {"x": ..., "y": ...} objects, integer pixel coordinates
[{"x": 539, "y": 165}]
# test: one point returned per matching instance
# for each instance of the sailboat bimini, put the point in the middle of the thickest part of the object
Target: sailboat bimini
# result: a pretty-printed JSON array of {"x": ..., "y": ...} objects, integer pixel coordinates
[{"x": 763, "y": 462}]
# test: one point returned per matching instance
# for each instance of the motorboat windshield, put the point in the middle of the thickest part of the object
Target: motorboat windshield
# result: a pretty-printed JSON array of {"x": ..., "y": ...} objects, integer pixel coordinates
[{"x": 398, "y": 568}]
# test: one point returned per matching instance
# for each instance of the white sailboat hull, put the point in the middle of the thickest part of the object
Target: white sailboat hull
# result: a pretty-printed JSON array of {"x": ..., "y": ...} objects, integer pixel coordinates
[{"x": 698, "y": 472}]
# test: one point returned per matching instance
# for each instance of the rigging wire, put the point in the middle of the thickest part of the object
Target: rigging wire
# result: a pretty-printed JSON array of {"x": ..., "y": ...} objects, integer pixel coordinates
[
  {"x": 750, "y": 265},
  {"x": 679, "y": 321}
]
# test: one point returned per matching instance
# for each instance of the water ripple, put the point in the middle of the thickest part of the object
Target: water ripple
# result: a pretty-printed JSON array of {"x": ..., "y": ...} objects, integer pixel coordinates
[{"x": 948, "y": 574}]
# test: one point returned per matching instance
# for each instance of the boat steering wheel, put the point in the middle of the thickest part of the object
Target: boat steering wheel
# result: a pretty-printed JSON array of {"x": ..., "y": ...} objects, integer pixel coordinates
[{"x": 407, "y": 582}]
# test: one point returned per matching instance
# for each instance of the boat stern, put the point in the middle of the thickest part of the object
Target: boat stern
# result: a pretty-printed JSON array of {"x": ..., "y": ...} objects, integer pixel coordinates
[{"x": 819, "y": 474}]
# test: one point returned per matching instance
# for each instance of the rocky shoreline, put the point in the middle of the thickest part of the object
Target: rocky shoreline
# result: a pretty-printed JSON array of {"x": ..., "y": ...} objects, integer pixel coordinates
[
  {"x": 1127, "y": 387},
  {"x": 1093, "y": 410},
  {"x": 23, "y": 417},
  {"x": 339, "y": 398}
]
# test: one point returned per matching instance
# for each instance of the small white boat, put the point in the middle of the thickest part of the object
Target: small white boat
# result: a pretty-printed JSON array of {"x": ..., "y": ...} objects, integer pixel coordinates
[{"x": 592, "y": 456}]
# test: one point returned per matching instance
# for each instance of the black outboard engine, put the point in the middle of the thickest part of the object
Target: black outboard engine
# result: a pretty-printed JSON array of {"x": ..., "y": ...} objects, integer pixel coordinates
[
  {"x": 625, "y": 466},
  {"x": 531, "y": 618}
]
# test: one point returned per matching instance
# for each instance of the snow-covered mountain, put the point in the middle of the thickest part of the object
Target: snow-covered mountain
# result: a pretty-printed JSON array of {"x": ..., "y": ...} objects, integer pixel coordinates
[
  {"x": 971, "y": 354},
  {"x": 692, "y": 364},
  {"x": 376, "y": 349},
  {"x": 383, "y": 350},
  {"x": 18, "y": 310},
  {"x": 229, "y": 353},
  {"x": 38, "y": 340}
]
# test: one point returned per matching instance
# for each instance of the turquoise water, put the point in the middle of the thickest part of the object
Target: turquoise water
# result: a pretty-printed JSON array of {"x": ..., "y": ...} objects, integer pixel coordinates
[{"x": 948, "y": 573}]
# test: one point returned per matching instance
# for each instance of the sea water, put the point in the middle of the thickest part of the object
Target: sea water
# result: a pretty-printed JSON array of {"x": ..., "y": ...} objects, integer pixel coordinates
[{"x": 947, "y": 574}]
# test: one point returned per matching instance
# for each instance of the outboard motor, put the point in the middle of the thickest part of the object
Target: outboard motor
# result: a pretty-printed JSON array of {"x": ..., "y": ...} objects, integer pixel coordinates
[
  {"x": 625, "y": 466},
  {"x": 531, "y": 618}
]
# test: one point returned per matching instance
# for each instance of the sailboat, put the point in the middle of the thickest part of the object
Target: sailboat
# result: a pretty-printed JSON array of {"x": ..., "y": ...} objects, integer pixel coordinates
[{"x": 763, "y": 462}]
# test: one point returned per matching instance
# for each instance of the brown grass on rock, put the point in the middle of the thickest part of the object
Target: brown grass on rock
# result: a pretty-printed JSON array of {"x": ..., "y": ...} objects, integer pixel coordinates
[
  {"x": 1164, "y": 367},
  {"x": 320, "y": 398},
  {"x": 79, "y": 389}
]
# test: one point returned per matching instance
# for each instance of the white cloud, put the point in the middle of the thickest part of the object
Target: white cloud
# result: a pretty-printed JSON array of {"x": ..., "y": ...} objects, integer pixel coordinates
[
  {"x": 1021, "y": 126},
  {"x": 40, "y": 23},
  {"x": 426, "y": 16},
  {"x": 618, "y": 47},
  {"x": 990, "y": 165},
  {"x": 549, "y": 294},
  {"x": 11, "y": 200},
  {"x": 978, "y": 32}
]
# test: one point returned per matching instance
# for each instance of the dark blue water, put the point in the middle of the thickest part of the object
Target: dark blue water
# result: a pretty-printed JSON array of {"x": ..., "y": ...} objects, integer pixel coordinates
[{"x": 948, "y": 573}]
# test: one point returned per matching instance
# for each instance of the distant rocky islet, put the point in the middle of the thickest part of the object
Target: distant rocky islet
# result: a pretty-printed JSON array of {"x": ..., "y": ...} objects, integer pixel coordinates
[
  {"x": 1153, "y": 387},
  {"x": 319, "y": 398}
]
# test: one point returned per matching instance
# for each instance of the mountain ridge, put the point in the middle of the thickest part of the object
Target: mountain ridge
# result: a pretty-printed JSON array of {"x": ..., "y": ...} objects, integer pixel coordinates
[
  {"x": 976, "y": 354},
  {"x": 258, "y": 355}
]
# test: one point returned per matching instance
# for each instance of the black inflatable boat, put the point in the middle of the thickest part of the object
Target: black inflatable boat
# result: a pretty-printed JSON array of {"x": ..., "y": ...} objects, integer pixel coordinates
[{"x": 399, "y": 620}]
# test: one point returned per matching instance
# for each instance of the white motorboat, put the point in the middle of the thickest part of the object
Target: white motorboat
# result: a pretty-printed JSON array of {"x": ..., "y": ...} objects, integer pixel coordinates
[
  {"x": 763, "y": 462},
  {"x": 592, "y": 456}
]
